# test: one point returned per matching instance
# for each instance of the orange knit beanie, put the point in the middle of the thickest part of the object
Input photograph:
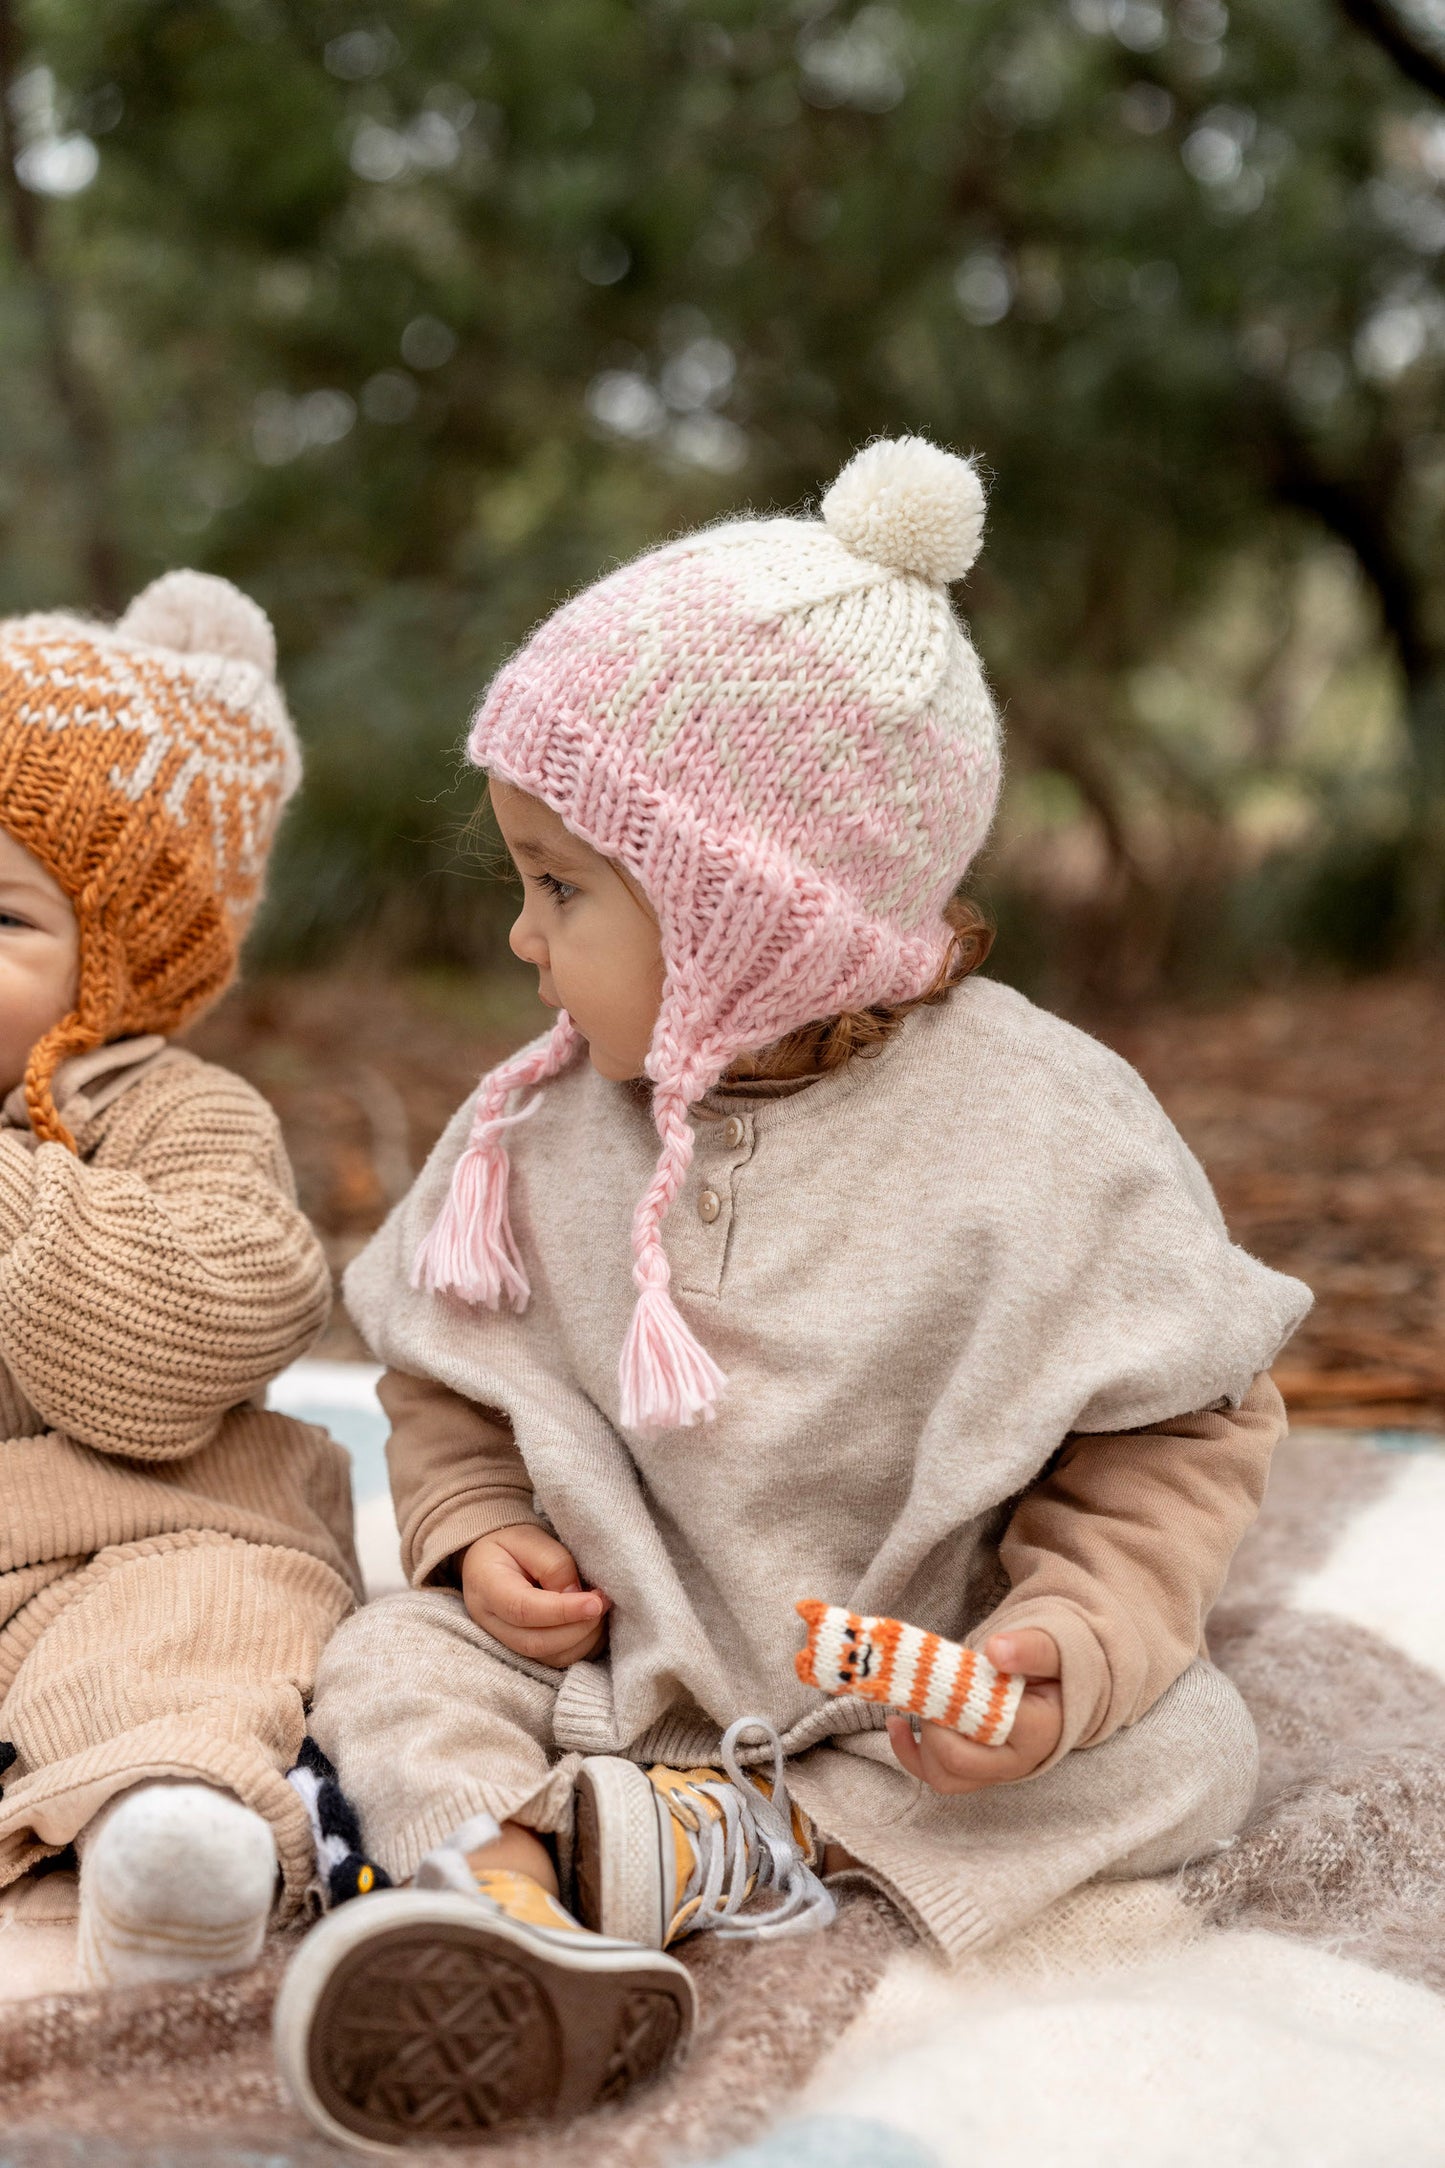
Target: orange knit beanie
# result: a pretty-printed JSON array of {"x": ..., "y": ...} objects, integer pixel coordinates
[{"x": 145, "y": 765}]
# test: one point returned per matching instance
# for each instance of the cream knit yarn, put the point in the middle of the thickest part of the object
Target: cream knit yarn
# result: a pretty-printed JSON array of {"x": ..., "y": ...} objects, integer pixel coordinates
[{"x": 782, "y": 731}]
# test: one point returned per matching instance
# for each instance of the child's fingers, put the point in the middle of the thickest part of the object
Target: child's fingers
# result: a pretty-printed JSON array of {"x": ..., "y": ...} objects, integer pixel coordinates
[
  {"x": 1027, "y": 1650},
  {"x": 948, "y": 1762},
  {"x": 905, "y": 1745},
  {"x": 546, "y": 1561},
  {"x": 522, "y": 1561},
  {"x": 496, "y": 1585},
  {"x": 557, "y": 1645},
  {"x": 512, "y": 1598}
]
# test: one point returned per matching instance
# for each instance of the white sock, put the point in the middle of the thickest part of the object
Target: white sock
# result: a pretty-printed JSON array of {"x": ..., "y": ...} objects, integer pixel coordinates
[{"x": 176, "y": 1883}]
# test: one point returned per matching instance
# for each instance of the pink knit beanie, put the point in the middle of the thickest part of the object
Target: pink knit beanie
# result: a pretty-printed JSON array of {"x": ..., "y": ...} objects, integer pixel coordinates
[{"x": 781, "y": 730}]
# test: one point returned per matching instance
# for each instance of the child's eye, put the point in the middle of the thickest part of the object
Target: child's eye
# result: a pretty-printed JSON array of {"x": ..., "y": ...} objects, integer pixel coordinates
[
  {"x": 13, "y": 918},
  {"x": 559, "y": 891}
]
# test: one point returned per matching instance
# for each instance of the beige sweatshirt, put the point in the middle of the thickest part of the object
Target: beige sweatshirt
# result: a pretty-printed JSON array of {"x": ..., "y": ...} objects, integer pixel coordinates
[{"x": 938, "y": 1280}]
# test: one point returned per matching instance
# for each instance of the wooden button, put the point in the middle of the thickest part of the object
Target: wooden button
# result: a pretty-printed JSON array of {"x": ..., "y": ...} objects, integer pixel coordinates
[
  {"x": 733, "y": 1132},
  {"x": 709, "y": 1204}
]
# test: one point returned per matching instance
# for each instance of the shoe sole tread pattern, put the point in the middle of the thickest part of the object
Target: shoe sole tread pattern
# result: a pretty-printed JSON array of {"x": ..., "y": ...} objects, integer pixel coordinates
[{"x": 442, "y": 2031}]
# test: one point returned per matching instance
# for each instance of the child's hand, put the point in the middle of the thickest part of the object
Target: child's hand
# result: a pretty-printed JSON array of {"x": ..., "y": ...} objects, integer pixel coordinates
[
  {"x": 948, "y": 1763},
  {"x": 523, "y": 1588}
]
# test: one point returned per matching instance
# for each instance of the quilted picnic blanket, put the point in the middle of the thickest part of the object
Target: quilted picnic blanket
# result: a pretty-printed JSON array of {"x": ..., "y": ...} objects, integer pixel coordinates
[{"x": 1282, "y": 2001}]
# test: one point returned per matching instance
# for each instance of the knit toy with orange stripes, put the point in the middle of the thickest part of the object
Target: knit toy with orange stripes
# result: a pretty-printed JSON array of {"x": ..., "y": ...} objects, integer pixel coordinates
[
  {"x": 145, "y": 764},
  {"x": 902, "y": 1667}
]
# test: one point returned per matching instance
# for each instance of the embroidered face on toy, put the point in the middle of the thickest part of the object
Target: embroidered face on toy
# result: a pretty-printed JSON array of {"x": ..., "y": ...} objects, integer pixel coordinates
[
  {"x": 588, "y": 930},
  {"x": 39, "y": 954}
]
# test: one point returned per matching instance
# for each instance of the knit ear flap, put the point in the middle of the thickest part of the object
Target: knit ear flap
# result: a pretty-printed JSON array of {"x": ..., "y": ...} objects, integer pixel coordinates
[
  {"x": 470, "y": 1251},
  {"x": 668, "y": 1379}
]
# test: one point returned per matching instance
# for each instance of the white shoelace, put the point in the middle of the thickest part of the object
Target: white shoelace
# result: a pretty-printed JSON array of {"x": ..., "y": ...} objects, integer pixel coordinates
[{"x": 752, "y": 1843}]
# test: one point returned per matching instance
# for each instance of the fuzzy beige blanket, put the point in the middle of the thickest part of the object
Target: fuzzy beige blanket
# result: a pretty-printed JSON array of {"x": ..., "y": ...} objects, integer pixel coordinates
[{"x": 1281, "y": 2001}]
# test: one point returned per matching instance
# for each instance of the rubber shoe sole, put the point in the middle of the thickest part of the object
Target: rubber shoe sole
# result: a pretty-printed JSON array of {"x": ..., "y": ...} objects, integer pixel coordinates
[
  {"x": 625, "y": 1861},
  {"x": 417, "y": 2018}
]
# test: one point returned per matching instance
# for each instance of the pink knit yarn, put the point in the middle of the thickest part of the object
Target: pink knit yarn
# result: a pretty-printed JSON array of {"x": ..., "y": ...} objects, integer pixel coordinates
[
  {"x": 781, "y": 730},
  {"x": 470, "y": 1251}
]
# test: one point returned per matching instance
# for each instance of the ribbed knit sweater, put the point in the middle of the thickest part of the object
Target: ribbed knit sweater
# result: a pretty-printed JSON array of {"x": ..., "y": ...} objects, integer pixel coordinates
[{"x": 172, "y": 1555}]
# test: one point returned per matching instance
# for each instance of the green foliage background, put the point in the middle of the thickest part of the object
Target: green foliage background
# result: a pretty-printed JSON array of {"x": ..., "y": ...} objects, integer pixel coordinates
[{"x": 411, "y": 318}]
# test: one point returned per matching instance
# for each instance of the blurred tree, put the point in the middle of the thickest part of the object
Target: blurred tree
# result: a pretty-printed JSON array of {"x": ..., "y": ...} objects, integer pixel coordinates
[
  {"x": 86, "y": 436},
  {"x": 412, "y": 317}
]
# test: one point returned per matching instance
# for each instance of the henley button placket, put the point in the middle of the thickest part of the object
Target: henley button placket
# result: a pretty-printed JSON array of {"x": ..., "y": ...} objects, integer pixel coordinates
[{"x": 699, "y": 1242}]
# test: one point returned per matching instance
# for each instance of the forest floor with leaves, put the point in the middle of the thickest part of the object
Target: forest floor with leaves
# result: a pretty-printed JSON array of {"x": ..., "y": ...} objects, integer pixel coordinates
[{"x": 1318, "y": 1112}]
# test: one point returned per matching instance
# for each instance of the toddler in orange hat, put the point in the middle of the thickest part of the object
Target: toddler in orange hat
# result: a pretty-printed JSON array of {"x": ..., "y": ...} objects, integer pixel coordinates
[{"x": 173, "y": 1556}]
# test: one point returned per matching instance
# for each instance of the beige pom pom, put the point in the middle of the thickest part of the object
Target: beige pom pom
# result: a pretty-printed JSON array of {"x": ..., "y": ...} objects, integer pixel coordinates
[
  {"x": 907, "y": 503},
  {"x": 195, "y": 613}
]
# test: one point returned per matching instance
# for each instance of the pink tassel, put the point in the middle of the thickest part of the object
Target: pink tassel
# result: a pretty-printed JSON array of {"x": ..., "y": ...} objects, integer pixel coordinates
[
  {"x": 470, "y": 1251},
  {"x": 668, "y": 1380}
]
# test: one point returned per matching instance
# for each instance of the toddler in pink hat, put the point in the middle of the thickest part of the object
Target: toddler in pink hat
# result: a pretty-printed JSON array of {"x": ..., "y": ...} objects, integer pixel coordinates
[{"x": 931, "y": 1318}]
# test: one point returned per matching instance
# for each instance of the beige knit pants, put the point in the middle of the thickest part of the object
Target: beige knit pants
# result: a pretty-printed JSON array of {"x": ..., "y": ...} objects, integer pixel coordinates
[
  {"x": 185, "y": 1656},
  {"x": 429, "y": 1722}
]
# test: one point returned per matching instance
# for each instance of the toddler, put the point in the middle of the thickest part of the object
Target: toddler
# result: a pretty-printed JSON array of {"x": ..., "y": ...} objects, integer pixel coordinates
[
  {"x": 931, "y": 1314},
  {"x": 174, "y": 1556}
]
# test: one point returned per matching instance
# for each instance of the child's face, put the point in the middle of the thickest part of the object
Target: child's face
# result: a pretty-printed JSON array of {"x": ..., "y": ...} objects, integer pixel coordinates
[
  {"x": 590, "y": 933},
  {"x": 39, "y": 951}
]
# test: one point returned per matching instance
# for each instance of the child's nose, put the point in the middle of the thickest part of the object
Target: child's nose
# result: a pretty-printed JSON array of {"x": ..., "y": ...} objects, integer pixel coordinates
[{"x": 527, "y": 944}]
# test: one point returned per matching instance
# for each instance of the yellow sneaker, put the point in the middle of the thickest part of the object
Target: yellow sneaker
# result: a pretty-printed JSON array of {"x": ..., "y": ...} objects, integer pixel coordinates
[
  {"x": 467, "y": 2005},
  {"x": 663, "y": 1853}
]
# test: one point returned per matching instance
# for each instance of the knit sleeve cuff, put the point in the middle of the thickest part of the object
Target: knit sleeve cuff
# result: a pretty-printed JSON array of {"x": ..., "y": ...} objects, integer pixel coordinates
[
  {"x": 17, "y": 1188},
  {"x": 451, "y": 1526},
  {"x": 1084, "y": 1668}
]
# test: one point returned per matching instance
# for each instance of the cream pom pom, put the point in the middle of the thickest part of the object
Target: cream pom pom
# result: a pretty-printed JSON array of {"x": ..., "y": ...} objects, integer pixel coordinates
[
  {"x": 907, "y": 503},
  {"x": 195, "y": 613}
]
